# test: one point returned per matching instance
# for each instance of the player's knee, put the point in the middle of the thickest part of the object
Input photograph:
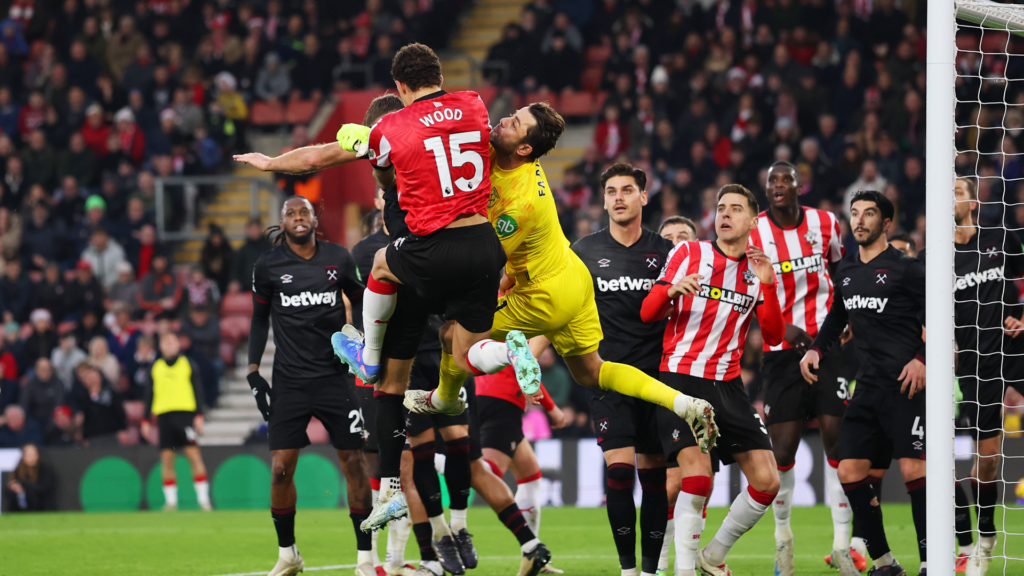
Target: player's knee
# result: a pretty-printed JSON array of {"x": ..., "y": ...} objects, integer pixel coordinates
[
  {"x": 850, "y": 472},
  {"x": 766, "y": 481},
  {"x": 988, "y": 468},
  {"x": 280, "y": 473},
  {"x": 912, "y": 469},
  {"x": 445, "y": 334},
  {"x": 784, "y": 457}
]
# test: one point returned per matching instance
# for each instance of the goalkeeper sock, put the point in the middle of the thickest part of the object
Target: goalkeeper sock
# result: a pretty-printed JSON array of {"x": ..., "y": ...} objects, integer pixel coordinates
[
  {"x": 689, "y": 520},
  {"x": 398, "y": 535},
  {"x": 284, "y": 523},
  {"x": 744, "y": 513},
  {"x": 670, "y": 537},
  {"x": 528, "y": 500},
  {"x": 653, "y": 517},
  {"x": 782, "y": 507},
  {"x": 425, "y": 539},
  {"x": 962, "y": 519},
  {"x": 988, "y": 493},
  {"x": 364, "y": 543},
  {"x": 450, "y": 383},
  {"x": 457, "y": 474},
  {"x": 841, "y": 513},
  {"x": 860, "y": 494},
  {"x": 379, "y": 300},
  {"x": 425, "y": 477},
  {"x": 171, "y": 493},
  {"x": 374, "y": 555},
  {"x": 919, "y": 510},
  {"x": 619, "y": 480},
  {"x": 487, "y": 357},
  {"x": 630, "y": 381},
  {"x": 390, "y": 436}
]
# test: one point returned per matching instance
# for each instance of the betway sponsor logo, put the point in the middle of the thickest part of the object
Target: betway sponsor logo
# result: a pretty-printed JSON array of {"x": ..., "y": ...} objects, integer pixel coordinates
[
  {"x": 624, "y": 283},
  {"x": 310, "y": 299},
  {"x": 740, "y": 302},
  {"x": 865, "y": 303},
  {"x": 972, "y": 279},
  {"x": 812, "y": 263}
]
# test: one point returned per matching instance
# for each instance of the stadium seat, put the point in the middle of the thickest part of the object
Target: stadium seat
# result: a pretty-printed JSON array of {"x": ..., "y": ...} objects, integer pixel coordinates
[
  {"x": 267, "y": 114},
  {"x": 542, "y": 96},
  {"x": 235, "y": 328},
  {"x": 599, "y": 100},
  {"x": 597, "y": 56},
  {"x": 591, "y": 78},
  {"x": 300, "y": 111},
  {"x": 238, "y": 304},
  {"x": 576, "y": 104}
]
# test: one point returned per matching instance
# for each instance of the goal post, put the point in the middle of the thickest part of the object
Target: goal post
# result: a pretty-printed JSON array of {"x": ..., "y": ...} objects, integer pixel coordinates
[{"x": 940, "y": 128}]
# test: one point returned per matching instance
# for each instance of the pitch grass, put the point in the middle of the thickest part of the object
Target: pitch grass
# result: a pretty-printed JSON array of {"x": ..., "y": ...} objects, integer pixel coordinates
[{"x": 239, "y": 542}]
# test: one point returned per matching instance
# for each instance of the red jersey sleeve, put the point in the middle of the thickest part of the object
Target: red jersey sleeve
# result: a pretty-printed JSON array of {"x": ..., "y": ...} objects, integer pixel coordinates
[{"x": 380, "y": 149}]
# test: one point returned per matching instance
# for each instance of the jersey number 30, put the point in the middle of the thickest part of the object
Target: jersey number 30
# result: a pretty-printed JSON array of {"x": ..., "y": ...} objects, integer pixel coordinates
[{"x": 459, "y": 158}]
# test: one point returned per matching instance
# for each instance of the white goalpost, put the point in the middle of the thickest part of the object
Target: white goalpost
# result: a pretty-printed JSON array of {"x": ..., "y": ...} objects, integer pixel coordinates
[{"x": 990, "y": 32}]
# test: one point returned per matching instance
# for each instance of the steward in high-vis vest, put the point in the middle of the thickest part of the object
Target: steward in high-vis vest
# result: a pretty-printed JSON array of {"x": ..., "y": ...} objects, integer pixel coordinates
[{"x": 174, "y": 395}]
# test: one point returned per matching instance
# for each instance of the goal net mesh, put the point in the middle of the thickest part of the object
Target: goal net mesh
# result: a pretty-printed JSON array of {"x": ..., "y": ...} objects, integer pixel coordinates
[{"x": 989, "y": 139}]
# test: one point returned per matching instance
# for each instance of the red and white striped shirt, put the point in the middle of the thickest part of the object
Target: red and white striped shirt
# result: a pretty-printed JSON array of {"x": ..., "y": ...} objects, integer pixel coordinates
[
  {"x": 800, "y": 257},
  {"x": 706, "y": 332}
]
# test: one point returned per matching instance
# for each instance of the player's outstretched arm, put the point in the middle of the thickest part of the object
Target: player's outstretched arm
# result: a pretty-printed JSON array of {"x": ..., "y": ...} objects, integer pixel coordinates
[{"x": 301, "y": 160}]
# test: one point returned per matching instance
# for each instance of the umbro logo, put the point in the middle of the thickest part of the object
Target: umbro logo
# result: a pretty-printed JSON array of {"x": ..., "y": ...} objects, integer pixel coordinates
[
  {"x": 287, "y": 279},
  {"x": 624, "y": 530},
  {"x": 846, "y": 282},
  {"x": 604, "y": 262},
  {"x": 399, "y": 242}
]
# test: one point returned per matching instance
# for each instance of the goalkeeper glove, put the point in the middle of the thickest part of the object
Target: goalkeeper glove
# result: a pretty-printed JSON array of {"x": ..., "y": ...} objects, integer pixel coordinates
[
  {"x": 263, "y": 393},
  {"x": 354, "y": 138}
]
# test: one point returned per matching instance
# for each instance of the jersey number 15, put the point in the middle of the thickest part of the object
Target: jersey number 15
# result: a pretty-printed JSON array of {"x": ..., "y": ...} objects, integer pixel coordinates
[{"x": 459, "y": 158}]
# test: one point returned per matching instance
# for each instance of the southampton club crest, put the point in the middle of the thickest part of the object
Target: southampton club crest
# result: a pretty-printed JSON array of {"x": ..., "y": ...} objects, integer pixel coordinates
[
  {"x": 675, "y": 435},
  {"x": 749, "y": 277},
  {"x": 811, "y": 238}
]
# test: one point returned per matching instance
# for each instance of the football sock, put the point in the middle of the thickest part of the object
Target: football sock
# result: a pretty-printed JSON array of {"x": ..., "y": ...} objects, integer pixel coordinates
[
  {"x": 919, "y": 509},
  {"x": 653, "y": 517},
  {"x": 424, "y": 537},
  {"x": 513, "y": 520},
  {"x": 782, "y": 507},
  {"x": 633, "y": 382},
  {"x": 744, "y": 513},
  {"x": 619, "y": 480},
  {"x": 440, "y": 526},
  {"x": 689, "y": 518},
  {"x": 284, "y": 523},
  {"x": 390, "y": 433},
  {"x": 528, "y": 500},
  {"x": 374, "y": 535},
  {"x": 962, "y": 519},
  {"x": 841, "y": 513},
  {"x": 364, "y": 541},
  {"x": 170, "y": 493},
  {"x": 457, "y": 475},
  {"x": 202, "y": 487},
  {"x": 670, "y": 536},
  {"x": 398, "y": 535},
  {"x": 488, "y": 357},
  {"x": 288, "y": 552},
  {"x": 452, "y": 377},
  {"x": 860, "y": 494},
  {"x": 379, "y": 300},
  {"x": 458, "y": 519},
  {"x": 425, "y": 477},
  {"x": 988, "y": 493}
]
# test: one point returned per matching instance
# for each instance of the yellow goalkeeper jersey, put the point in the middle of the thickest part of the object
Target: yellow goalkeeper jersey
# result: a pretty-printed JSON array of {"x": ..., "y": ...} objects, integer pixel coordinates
[{"x": 522, "y": 210}]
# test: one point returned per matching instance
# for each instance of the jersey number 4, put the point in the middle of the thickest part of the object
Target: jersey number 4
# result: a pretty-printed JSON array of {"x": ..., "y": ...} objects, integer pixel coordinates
[{"x": 458, "y": 158}]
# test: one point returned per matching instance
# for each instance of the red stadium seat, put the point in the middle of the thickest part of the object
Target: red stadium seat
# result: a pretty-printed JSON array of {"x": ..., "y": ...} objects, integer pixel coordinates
[
  {"x": 235, "y": 329},
  {"x": 300, "y": 111},
  {"x": 576, "y": 103},
  {"x": 228, "y": 352},
  {"x": 599, "y": 100},
  {"x": 597, "y": 55},
  {"x": 591, "y": 78},
  {"x": 238, "y": 304},
  {"x": 543, "y": 95},
  {"x": 267, "y": 114}
]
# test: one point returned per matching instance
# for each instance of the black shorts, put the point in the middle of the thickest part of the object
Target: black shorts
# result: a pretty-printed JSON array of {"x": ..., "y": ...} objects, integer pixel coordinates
[
  {"x": 739, "y": 425},
  {"x": 176, "y": 430},
  {"x": 624, "y": 422},
  {"x": 788, "y": 397},
  {"x": 882, "y": 421},
  {"x": 982, "y": 406},
  {"x": 459, "y": 266},
  {"x": 329, "y": 399},
  {"x": 425, "y": 375},
  {"x": 363, "y": 396},
  {"x": 409, "y": 323},
  {"x": 502, "y": 425}
]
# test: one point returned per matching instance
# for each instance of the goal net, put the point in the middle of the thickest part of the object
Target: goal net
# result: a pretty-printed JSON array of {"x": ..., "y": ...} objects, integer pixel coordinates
[{"x": 989, "y": 137}]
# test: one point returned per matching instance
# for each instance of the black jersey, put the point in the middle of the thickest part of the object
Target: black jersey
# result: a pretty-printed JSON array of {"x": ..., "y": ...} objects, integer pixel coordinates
[
  {"x": 306, "y": 307},
  {"x": 623, "y": 275},
  {"x": 363, "y": 254},
  {"x": 984, "y": 295},
  {"x": 883, "y": 301}
]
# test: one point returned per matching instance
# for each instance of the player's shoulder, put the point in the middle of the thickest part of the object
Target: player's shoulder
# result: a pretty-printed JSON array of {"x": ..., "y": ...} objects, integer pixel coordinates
[
  {"x": 592, "y": 241},
  {"x": 331, "y": 249},
  {"x": 650, "y": 240}
]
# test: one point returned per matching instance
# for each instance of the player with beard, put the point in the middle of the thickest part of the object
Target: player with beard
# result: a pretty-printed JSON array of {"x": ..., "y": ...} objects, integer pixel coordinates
[
  {"x": 298, "y": 284},
  {"x": 624, "y": 260},
  {"x": 712, "y": 290},
  {"x": 804, "y": 245},
  {"x": 988, "y": 324},
  {"x": 880, "y": 293}
]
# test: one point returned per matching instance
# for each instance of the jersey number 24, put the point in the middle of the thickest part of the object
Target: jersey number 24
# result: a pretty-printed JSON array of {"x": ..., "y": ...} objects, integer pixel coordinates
[{"x": 458, "y": 158}]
